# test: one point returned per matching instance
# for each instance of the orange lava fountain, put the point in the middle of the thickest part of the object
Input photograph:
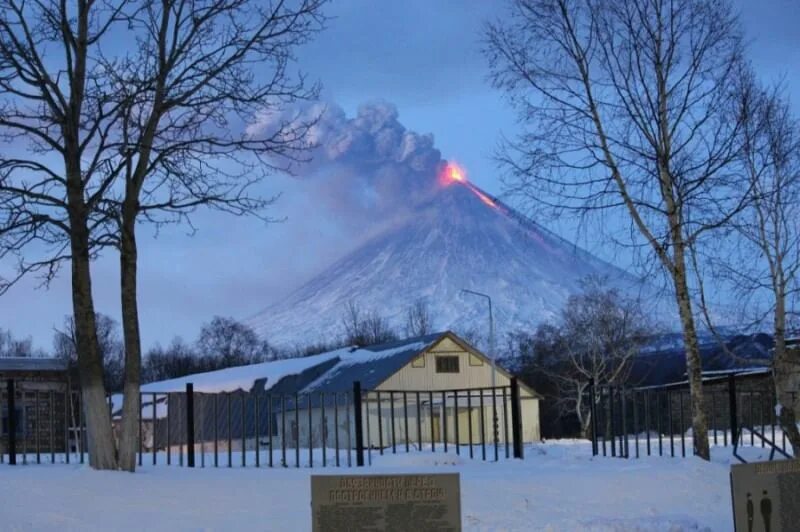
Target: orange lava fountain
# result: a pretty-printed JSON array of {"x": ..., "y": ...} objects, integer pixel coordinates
[{"x": 453, "y": 173}]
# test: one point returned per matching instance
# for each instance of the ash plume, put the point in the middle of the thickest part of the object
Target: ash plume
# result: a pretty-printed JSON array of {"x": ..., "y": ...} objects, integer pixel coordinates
[{"x": 367, "y": 164}]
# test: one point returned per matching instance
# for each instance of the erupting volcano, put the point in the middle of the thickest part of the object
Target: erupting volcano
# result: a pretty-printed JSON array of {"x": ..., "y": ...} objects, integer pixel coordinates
[
  {"x": 454, "y": 174},
  {"x": 459, "y": 237}
]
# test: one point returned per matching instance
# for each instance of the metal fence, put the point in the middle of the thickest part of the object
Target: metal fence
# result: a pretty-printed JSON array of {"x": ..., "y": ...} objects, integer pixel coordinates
[
  {"x": 261, "y": 429},
  {"x": 635, "y": 422},
  {"x": 41, "y": 426}
]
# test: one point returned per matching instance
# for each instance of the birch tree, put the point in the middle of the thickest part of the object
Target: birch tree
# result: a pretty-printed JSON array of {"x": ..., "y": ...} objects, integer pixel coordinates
[
  {"x": 771, "y": 224},
  {"x": 131, "y": 112},
  {"x": 628, "y": 112},
  {"x": 760, "y": 261},
  {"x": 200, "y": 78},
  {"x": 57, "y": 117}
]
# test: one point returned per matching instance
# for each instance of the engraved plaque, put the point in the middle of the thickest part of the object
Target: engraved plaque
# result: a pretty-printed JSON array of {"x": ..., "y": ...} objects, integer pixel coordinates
[
  {"x": 765, "y": 496},
  {"x": 386, "y": 502}
]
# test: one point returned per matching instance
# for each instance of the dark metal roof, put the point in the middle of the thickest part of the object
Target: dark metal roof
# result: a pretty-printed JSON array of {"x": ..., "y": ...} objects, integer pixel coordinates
[
  {"x": 295, "y": 383},
  {"x": 668, "y": 367},
  {"x": 370, "y": 367},
  {"x": 32, "y": 364}
]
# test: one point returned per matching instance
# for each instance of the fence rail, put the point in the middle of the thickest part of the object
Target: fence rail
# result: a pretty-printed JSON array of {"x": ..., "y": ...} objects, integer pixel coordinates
[
  {"x": 262, "y": 429},
  {"x": 631, "y": 422}
]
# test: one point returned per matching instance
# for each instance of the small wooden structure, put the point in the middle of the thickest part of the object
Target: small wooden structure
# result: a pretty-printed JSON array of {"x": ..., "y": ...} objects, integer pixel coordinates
[{"x": 41, "y": 412}]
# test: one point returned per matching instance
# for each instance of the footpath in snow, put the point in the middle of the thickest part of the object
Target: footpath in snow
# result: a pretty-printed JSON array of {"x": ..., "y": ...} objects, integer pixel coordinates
[{"x": 558, "y": 487}]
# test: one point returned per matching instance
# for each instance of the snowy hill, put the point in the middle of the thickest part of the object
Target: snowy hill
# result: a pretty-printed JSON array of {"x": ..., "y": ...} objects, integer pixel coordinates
[{"x": 459, "y": 238}]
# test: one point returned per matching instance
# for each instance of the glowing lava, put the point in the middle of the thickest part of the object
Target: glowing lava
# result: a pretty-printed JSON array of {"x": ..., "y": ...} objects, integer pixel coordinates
[
  {"x": 483, "y": 197},
  {"x": 452, "y": 173}
]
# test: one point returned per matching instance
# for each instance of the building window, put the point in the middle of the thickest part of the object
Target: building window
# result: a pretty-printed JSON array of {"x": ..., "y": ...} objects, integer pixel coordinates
[
  {"x": 418, "y": 362},
  {"x": 448, "y": 364}
]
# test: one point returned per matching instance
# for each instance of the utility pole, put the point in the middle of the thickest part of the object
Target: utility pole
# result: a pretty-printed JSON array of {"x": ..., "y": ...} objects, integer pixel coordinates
[{"x": 491, "y": 358}]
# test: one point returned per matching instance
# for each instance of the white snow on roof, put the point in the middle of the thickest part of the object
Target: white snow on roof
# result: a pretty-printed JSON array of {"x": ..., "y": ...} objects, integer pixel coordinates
[
  {"x": 147, "y": 406},
  {"x": 359, "y": 356},
  {"x": 242, "y": 377},
  {"x": 356, "y": 357},
  {"x": 245, "y": 377},
  {"x": 225, "y": 380}
]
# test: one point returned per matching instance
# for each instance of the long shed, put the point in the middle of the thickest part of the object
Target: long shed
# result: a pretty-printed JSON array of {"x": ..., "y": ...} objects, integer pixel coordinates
[{"x": 432, "y": 388}]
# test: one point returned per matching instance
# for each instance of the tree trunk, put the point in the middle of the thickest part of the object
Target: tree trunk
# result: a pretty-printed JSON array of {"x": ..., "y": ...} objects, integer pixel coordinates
[
  {"x": 95, "y": 409},
  {"x": 694, "y": 365},
  {"x": 786, "y": 379},
  {"x": 131, "y": 409},
  {"x": 586, "y": 427}
]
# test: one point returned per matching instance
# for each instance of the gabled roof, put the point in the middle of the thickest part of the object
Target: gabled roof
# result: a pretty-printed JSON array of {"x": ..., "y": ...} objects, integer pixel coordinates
[
  {"x": 32, "y": 364},
  {"x": 334, "y": 371},
  {"x": 252, "y": 377},
  {"x": 373, "y": 364}
]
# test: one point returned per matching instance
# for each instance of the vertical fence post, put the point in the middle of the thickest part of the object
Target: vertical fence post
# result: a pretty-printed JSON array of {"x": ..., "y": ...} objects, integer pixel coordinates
[
  {"x": 358, "y": 424},
  {"x": 12, "y": 423},
  {"x": 67, "y": 399},
  {"x": 732, "y": 410},
  {"x": 623, "y": 408},
  {"x": 516, "y": 418},
  {"x": 190, "y": 424},
  {"x": 612, "y": 424}
]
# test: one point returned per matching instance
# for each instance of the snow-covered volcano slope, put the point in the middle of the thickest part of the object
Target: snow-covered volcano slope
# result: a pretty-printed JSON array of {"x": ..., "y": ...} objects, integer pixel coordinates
[{"x": 459, "y": 239}]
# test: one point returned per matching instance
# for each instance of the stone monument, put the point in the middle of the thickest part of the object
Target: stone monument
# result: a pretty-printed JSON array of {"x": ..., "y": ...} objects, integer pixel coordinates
[
  {"x": 428, "y": 502},
  {"x": 765, "y": 496}
]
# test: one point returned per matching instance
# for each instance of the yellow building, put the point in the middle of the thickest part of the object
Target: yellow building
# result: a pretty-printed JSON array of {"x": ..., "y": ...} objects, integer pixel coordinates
[{"x": 432, "y": 389}]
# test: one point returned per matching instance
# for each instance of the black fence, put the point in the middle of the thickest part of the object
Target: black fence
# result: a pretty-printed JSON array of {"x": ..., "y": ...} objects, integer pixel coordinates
[
  {"x": 635, "y": 422},
  {"x": 41, "y": 425},
  {"x": 251, "y": 429}
]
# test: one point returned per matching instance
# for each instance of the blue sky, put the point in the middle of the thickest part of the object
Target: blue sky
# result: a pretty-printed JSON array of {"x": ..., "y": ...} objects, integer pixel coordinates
[{"x": 424, "y": 57}]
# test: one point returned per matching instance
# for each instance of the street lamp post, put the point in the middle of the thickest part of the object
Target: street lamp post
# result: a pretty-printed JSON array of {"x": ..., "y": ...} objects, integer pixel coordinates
[{"x": 491, "y": 358}]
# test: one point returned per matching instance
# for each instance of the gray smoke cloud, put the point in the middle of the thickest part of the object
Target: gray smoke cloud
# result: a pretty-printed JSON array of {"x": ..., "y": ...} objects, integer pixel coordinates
[{"x": 367, "y": 164}]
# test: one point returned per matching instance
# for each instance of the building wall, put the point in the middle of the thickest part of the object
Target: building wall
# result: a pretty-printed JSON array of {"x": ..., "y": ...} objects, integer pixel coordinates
[
  {"x": 41, "y": 415},
  {"x": 474, "y": 372},
  {"x": 427, "y": 427},
  {"x": 432, "y": 418}
]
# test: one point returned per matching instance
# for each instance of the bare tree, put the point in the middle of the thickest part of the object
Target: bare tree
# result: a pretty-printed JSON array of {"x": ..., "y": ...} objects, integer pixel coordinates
[
  {"x": 630, "y": 109},
  {"x": 231, "y": 342},
  {"x": 109, "y": 343},
  {"x": 58, "y": 114},
  {"x": 11, "y": 347},
  {"x": 156, "y": 131},
  {"x": 419, "y": 320},
  {"x": 365, "y": 327},
  {"x": 199, "y": 69},
  {"x": 176, "y": 360},
  {"x": 596, "y": 338},
  {"x": 762, "y": 261},
  {"x": 311, "y": 348}
]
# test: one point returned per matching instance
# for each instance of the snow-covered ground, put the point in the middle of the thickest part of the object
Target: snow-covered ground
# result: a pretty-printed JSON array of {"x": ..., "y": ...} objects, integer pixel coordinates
[{"x": 559, "y": 486}]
